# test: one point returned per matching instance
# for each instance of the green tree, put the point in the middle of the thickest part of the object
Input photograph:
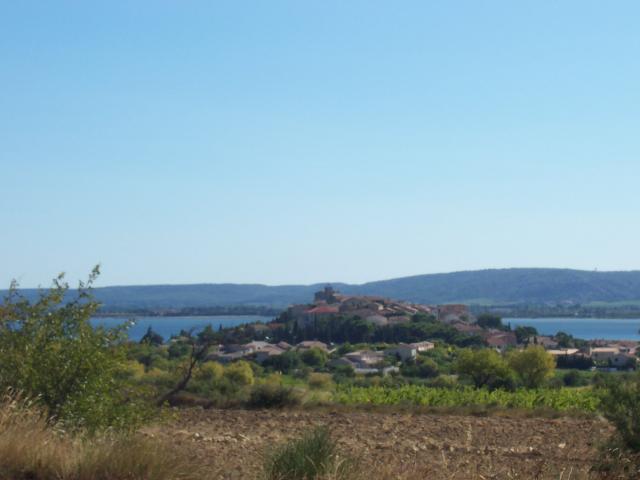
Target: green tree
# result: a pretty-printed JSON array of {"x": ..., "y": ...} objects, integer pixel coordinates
[
  {"x": 239, "y": 373},
  {"x": 485, "y": 367},
  {"x": 197, "y": 348},
  {"x": 286, "y": 363},
  {"x": 152, "y": 338},
  {"x": 210, "y": 371},
  {"x": 420, "y": 367},
  {"x": 50, "y": 351},
  {"x": 489, "y": 320},
  {"x": 523, "y": 333},
  {"x": 314, "y": 357},
  {"x": 181, "y": 346},
  {"x": 532, "y": 365},
  {"x": 564, "y": 340}
]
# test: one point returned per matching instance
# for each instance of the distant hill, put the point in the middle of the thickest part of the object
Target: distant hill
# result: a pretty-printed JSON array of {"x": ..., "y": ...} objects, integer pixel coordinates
[
  {"x": 482, "y": 287},
  {"x": 515, "y": 285}
]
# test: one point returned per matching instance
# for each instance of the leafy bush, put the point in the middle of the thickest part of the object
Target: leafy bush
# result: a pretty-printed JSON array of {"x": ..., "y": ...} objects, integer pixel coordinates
[
  {"x": 178, "y": 349},
  {"x": 314, "y": 357},
  {"x": 532, "y": 365},
  {"x": 620, "y": 403},
  {"x": 573, "y": 378},
  {"x": 239, "y": 373},
  {"x": 287, "y": 362},
  {"x": 49, "y": 350},
  {"x": 311, "y": 457},
  {"x": 210, "y": 371},
  {"x": 420, "y": 367},
  {"x": 485, "y": 368},
  {"x": 490, "y": 320},
  {"x": 320, "y": 381},
  {"x": 272, "y": 395}
]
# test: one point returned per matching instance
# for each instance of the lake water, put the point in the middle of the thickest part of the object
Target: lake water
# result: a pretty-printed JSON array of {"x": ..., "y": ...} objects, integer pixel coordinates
[
  {"x": 585, "y": 328},
  {"x": 167, "y": 326}
]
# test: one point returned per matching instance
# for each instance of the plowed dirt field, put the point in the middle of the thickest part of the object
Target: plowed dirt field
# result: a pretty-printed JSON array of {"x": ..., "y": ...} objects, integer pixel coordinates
[{"x": 395, "y": 445}]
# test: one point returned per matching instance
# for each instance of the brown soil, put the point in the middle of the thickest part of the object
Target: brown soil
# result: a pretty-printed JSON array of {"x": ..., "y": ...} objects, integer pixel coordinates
[{"x": 395, "y": 445}]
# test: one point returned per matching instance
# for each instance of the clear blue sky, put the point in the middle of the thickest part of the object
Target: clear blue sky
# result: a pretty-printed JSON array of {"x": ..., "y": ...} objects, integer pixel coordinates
[{"x": 298, "y": 142}]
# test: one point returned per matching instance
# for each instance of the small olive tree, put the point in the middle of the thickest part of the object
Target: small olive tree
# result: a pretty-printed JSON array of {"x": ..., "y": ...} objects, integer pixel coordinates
[
  {"x": 533, "y": 365},
  {"x": 485, "y": 367},
  {"x": 50, "y": 351}
]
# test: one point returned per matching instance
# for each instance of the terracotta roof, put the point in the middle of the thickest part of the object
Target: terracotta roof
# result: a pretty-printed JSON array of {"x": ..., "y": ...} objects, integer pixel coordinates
[
  {"x": 502, "y": 339},
  {"x": 312, "y": 344},
  {"x": 467, "y": 328}
]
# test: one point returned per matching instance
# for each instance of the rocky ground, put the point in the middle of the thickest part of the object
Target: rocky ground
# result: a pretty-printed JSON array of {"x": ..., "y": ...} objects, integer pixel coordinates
[{"x": 395, "y": 445}]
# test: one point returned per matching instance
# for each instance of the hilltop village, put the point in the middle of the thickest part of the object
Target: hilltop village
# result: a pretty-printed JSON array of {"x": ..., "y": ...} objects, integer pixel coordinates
[
  {"x": 377, "y": 311},
  {"x": 387, "y": 328}
]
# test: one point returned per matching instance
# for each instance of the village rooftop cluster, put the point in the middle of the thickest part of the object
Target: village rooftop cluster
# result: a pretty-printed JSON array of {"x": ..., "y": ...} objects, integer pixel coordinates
[{"x": 328, "y": 305}]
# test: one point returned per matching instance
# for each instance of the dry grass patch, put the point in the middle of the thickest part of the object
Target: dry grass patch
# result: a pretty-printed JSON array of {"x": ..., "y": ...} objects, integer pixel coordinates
[{"x": 34, "y": 448}]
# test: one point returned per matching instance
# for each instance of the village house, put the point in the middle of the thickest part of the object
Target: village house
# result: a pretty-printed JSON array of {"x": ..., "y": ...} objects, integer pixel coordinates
[
  {"x": 256, "y": 346},
  {"x": 230, "y": 356},
  {"x": 602, "y": 354},
  {"x": 613, "y": 356},
  {"x": 500, "y": 340},
  {"x": 321, "y": 312},
  {"x": 406, "y": 351},
  {"x": 403, "y": 352},
  {"x": 264, "y": 354},
  {"x": 426, "y": 309},
  {"x": 365, "y": 358},
  {"x": 423, "y": 346},
  {"x": 545, "y": 341},
  {"x": 625, "y": 346},
  {"x": 234, "y": 348},
  {"x": 623, "y": 360},
  {"x": 364, "y": 362},
  {"x": 257, "y": 350},
  {"x": 564, "y": 352},
  {"x": 454, "y": 313},
  {"x": 307, "y": 344},
  {"x": 358, "y": 303},
  {"x": 284, "y": 345},
  {"x": 468, "y": 328}
]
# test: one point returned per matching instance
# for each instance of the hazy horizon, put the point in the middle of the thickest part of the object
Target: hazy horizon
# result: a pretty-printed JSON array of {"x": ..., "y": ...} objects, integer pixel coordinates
[
  {"x": 286, "y": 142},
  {"x": 100, "y": 284}
]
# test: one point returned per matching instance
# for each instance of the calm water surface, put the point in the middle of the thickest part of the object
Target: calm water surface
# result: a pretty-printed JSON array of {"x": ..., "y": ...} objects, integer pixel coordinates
[
  {"x": 167, "y": 326},
  {"x": 586, "y": 328}
]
